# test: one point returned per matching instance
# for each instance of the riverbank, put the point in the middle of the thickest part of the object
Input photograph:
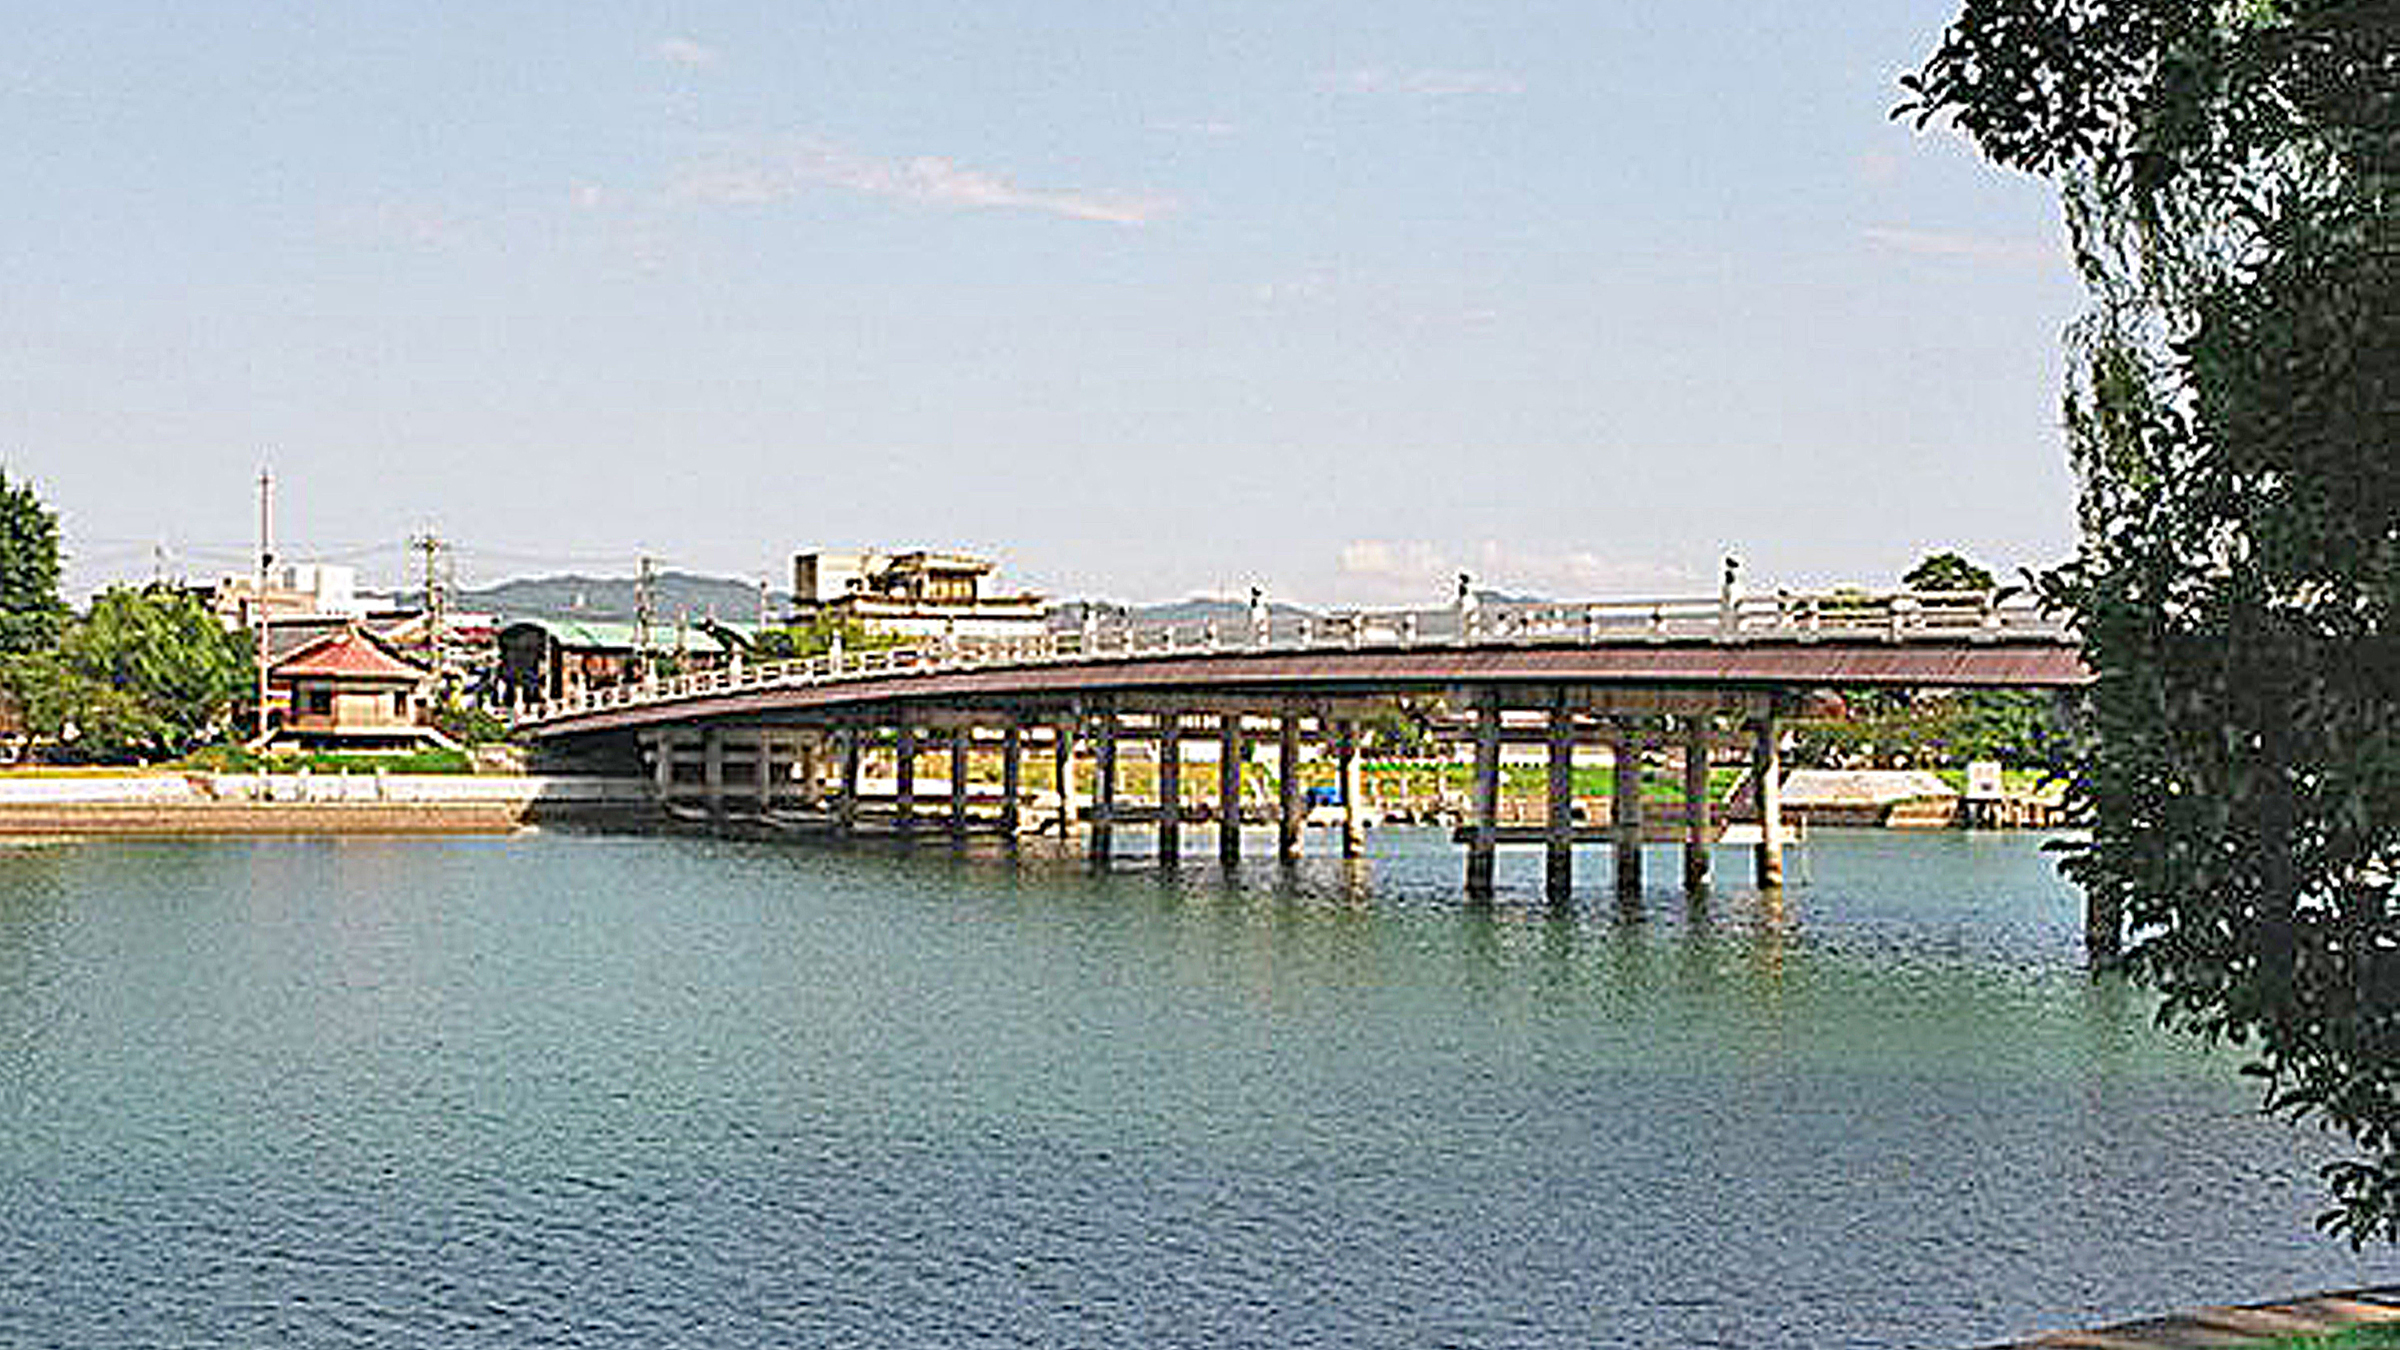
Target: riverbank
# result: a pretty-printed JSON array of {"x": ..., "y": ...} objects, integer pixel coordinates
[
  {"x": 47, "y": 806},
  {"x": 2251, "y": 1324}
]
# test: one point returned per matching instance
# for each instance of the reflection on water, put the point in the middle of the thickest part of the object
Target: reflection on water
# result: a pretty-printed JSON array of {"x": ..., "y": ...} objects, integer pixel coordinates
[{"x": 619, "y": 1091}]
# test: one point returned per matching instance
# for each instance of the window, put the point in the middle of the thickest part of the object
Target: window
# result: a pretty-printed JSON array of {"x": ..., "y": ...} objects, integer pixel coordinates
[
  {"x": 400, "y": 704},
  {"x": 318, "y": 702}
]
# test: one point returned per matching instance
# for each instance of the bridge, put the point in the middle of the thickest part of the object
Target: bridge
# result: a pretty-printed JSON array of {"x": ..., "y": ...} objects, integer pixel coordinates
[{"x": 789, "y": 741}]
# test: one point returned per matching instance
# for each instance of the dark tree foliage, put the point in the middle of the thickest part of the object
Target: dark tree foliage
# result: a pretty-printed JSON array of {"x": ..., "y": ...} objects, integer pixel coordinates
[
  {"x": 30, "y": 612},
  {"x": 2228, "y": 171},
  {"x": 1947, "y": 572}
]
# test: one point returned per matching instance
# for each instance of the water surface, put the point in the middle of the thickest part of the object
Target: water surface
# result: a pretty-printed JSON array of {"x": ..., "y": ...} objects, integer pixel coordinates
[{"x": 594, "y": 1091}]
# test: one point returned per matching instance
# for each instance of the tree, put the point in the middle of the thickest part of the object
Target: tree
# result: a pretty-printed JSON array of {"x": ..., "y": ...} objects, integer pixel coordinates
[
  {"x": 142, "y": 675},
  {"x": 2228, "y": 173},
  {"x": 30, "y": 612},
  {"x": 1947, "y": 572}
]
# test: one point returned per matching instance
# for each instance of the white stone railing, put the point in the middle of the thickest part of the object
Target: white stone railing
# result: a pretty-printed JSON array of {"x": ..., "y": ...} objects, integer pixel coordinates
[{"x": 1894, "y": 617}]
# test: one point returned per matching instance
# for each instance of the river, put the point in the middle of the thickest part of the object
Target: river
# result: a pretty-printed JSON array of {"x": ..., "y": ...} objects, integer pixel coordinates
[{"x": 582, "y": 1090}]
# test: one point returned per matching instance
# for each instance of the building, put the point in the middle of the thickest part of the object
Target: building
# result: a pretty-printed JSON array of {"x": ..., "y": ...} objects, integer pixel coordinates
[
  {"x": 916, "y": 594},
  {"x": 293, "y": 591},
  {"x": 544, "y": 659},
  {"x": 347, "y": 690}
]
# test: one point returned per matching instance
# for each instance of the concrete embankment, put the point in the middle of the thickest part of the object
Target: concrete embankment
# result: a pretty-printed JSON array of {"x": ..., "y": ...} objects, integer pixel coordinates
[{"x": 35, "y": 806}]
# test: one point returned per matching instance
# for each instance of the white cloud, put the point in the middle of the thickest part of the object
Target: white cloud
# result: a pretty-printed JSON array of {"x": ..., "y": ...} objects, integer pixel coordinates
[
  {"x": 1973, "y": 248},
  {"x": 682, "y": 51},
  {"x": 1416, "y": 571},
  {"x": 1420, "y": 83},
  {"x": 1210, "y": 129},
  {"x": 930, "y": 179}
]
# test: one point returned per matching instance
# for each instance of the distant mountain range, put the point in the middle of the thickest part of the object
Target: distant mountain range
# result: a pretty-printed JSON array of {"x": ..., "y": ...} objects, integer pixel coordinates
[
  {"x": 675, "y": 595},
  {"x": 684, "y": 595}
]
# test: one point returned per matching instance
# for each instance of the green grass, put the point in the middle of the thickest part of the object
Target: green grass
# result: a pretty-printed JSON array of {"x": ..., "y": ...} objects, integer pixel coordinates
[
  {"x": 2367, "y": 1336},
  {"x": 235, "y": 759}
]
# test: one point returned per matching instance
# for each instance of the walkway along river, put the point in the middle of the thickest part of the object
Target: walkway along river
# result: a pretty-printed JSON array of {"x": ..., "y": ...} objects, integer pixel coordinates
[{"x": 617, "y": 1091}]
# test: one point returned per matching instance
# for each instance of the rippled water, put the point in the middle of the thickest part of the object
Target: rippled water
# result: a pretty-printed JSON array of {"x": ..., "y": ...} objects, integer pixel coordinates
[{"x": 588, "y": 1091}]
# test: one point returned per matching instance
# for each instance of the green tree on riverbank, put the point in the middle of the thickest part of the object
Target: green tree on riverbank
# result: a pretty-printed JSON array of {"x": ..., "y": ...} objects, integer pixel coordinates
[
  {"x": 2229, "y": 174},
  {"x": 142, "y": 675},
  {"x": 30, "y": 612}
]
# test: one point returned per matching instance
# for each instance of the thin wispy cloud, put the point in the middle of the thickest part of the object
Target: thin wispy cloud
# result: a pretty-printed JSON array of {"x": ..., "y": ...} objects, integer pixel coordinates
[
  {"x": 683, "y": 51},
  {"x": 1381, "y": 80},
  {"x": 931, "y": 180},
  {"x": 1416, "y": 571},
  {"x": 1210, "y": 128},
  {"x": 1966, "y": 247}
]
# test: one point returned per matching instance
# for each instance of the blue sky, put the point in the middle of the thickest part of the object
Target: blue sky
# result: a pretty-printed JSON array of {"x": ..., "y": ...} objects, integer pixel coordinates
[{"x": 1145, "y": 300}]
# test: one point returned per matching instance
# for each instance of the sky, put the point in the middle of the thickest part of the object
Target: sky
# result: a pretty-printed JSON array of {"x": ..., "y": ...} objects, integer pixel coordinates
[{"x": 1145, "y": 301}]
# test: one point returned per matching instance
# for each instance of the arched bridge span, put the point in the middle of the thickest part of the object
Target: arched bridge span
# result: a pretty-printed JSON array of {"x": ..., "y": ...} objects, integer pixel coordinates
[{"x": 1705, "y": 674}]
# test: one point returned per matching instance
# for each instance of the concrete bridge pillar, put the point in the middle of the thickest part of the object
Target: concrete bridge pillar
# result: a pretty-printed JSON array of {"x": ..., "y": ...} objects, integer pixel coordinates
[
  {"x": 1062, "y": 756},
  {"x": 961, "y": 748},
  {"x": 1012, "y": 778},
  {"x": 1232, "y": 752},
  {"x": 712, "y": 773},
  {"x": 762, "y": 783},
  {"x": 904, "y": 776},
  {"x": 1695, "y": 803},
  {"x": 662, "y": 765},
  {"x": 1625, "y": 819},
  {"x": 1560, "y": 835},
  {"x": 1354, "y": 835},
  {"x": 1170, "y": 787},
  {"x": 1291, "y": 810},
  {"x": 853, "y": 757},
  {"x": 1104, "y": 787},
  {"x": 1483, "y": 843},
  {"x": 1766, "y": 771}
]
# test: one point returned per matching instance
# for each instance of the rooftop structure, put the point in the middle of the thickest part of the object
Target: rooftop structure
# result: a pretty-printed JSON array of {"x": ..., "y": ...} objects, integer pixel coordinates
[{"x": 922, "y": 593}]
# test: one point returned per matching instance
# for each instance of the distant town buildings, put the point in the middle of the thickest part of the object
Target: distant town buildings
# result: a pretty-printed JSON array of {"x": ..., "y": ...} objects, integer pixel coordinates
[
  {"x": 915, "y": 594},
  {"x": 543, "y": 659},
  {"x": 293, "y": 591}
]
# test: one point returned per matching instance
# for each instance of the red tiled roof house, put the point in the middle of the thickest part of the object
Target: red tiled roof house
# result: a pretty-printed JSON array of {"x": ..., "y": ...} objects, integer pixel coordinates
[{"x": 346, "y": 690}]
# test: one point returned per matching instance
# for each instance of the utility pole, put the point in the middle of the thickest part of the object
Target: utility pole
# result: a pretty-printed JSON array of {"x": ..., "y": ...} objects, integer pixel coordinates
[
  {"x": 437, "y": 600},
  {"x": 645, "y": 613},
  {"x": 258, "y": 597}
]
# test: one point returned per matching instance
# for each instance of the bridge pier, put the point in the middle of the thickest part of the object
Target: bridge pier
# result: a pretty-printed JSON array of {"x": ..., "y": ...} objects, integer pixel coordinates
[
  {"x": 1483, "y": 844},
  {"x": 1102, "y": 840},
  {"x": 853, "y": 761},
  {"x": 1695, "y": 803},
  {"x": 1291, "y": 811},
  {"x": 961, "y": 748},
  {"x": 1766, "y": 770},
  {"x": 1625, "y": 820},
  {"x": 1232, "y": 752},
  {"x": 1012, "y": 779},
  {"x": 904, "y": 776},
  {"x": 1353, "y": 784},
  {"x": 1170, "y": 787},
  {"x": 1062, "y": 761},
  {"x": 1559, "y": 838}
]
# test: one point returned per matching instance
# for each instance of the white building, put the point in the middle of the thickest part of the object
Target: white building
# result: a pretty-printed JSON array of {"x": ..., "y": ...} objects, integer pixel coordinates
[{"x": 920, "y": 594}]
